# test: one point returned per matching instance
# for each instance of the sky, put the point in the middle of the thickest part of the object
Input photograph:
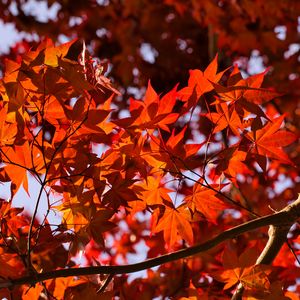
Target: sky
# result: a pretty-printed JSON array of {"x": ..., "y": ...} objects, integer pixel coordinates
[{"x": 8, "y": 33}]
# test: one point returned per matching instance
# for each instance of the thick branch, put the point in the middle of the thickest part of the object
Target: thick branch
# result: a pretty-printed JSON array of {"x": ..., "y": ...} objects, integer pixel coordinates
[
  {"x": 284, "y": 218},
  {"x": 277, "y": 237}
]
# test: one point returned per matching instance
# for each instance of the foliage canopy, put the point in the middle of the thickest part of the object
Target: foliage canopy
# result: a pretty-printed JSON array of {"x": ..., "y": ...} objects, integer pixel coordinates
[{"x": 186, "y": 177}]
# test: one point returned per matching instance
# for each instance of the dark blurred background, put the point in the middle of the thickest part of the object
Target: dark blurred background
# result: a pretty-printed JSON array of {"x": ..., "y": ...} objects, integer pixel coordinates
[{"x": 162, "y": 39}]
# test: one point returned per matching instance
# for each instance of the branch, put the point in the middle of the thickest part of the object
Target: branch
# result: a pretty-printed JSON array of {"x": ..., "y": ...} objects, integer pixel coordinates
[
  {"x": 105, "y": 284},
  {"x": 43, "y": 183},
  {"x": 284, "y": 218},
  {"x": 277, "y": 237}
]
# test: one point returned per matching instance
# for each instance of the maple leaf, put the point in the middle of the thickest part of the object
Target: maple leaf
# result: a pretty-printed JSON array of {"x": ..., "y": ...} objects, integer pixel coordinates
[
  {"x": 120, "y": 192},
  {"x": 248, "y": 89},
  {"x": 52, "y": 53},
  {"x": 175, "y": 225},
  {"x": 151, "y": 113},
  {"x": 172, "y": 154},
  {"x": 15, "y": 95},
  {"x": 99, "y": 223},
  {"x": 18, "y": 161},
  {"x": 204, "y": 200},
  {"x": 11, "y": 221},
  {"x": 269, "y": 140},
  {"x": 8, "y": 133},
  {"x": 72, "y": 215},
  {"x": 201, "y": 82},
  {"x": 73, "y": 74},
  {"x": 153, "y": 191},
  {"x": 8, "y": 130},
  {"x": 240, "y": 270},
  {"x": 96, "y": 126},
  {"x": 55, "y": 119},
  {"x": 131, "y": 148},
  {"x": 224, "y": 118},
  {"x": 231, "y": 162},
  {"x": 251, "y": 277}
]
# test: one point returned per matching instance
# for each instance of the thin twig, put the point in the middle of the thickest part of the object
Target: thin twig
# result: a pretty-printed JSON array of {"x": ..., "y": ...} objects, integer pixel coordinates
[{"x": 105, "y": 284}]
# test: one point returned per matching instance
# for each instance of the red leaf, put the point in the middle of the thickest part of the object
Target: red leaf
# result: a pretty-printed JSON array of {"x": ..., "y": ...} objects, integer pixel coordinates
[{"x": 269, "y": 140}]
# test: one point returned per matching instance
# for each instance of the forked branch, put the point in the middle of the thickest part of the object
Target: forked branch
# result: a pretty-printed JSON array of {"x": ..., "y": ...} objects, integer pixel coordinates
[
  {"x": 277, "y": 237},
  {"x": 281, "y": 222}
]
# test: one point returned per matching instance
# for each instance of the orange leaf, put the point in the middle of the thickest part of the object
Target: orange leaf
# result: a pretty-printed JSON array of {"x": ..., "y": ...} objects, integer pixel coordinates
[
  {"x": 175, "y": 226},
  {"x": 154, "y": 191},
  {"x": 201, "y": 82},
  {"x": 254, "y": 277},
  {"x": 33, "y": 292},
  {"x": 53, "y": 53},
  {"x": 224, "y": 118},
  {"x": 8, "y": 133},
  {"x": 231, "y": 162},
  {"x": 151, "y": 113},
  {"x": 204, "y": 200}
]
